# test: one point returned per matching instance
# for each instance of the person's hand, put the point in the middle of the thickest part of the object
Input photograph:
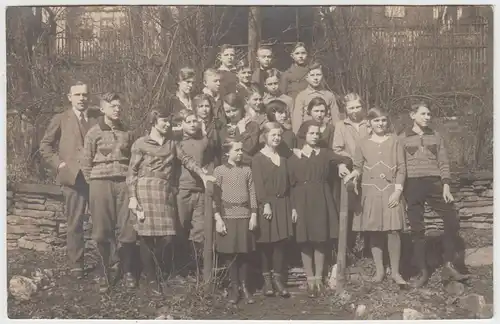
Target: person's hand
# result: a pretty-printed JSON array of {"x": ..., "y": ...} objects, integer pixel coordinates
[
  {"x": 353, "y": 175},
  {"x": 133, "y": 203},
  {"x": 61, "y": 165},
  {"x": 268, "y": 213},
  {"x": 207, "y": 178},
  {"x": 253, "y": 222},
  {"x": 220, "y": 227},
  {"x": 447, "y": 196},
  {"x": 394, "y": 199},
  {"x": 294, "y": 216},
  {"x": 343, "y": 170}
]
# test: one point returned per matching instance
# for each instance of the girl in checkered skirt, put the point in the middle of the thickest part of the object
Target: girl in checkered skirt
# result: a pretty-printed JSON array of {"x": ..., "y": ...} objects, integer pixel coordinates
[{"x": 152, "y": 196}]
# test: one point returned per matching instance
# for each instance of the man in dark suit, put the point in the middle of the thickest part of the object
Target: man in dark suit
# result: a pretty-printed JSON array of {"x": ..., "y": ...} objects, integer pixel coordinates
[{"x": 62, "y": 147}]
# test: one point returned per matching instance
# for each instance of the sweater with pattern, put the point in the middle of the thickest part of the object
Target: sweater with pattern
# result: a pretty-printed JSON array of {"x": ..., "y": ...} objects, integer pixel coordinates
[{"x": 426, "y": 155}]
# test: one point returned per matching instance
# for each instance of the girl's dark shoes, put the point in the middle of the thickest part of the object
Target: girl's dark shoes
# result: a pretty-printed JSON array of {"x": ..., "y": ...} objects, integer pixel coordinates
[
  {"x": 246, "y": 294},
  {"x": 268, "y": 289},
  {"x": 449, "y": 272},
  {"x": 280, "y": 288}
]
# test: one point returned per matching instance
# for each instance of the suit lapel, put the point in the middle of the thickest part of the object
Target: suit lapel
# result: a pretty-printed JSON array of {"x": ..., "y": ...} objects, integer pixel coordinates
[{"x": 75, "y": 126}]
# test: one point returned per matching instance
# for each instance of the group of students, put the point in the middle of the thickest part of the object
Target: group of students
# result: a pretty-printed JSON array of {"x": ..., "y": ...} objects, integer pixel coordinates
[{"x": 276, "y": 149}]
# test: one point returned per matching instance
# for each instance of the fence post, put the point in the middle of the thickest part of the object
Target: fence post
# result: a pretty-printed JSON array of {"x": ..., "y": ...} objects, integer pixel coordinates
[
  {"x": 342, "y": 248},
  {"x": 208, "y": 250},
  {"x": 254, "y": 20}
]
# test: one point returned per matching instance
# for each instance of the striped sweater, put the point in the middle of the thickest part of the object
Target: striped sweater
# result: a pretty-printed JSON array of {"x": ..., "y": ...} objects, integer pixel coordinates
[{"x": 426, "y": 155}]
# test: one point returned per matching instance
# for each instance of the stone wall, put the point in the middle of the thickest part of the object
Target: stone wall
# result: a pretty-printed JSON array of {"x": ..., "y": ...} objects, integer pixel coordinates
[
  {"x": 35, "y": 218},
  {"x": 473, "y": 195}
]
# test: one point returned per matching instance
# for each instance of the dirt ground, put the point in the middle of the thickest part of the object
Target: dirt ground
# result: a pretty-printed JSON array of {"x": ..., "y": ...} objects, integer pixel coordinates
[{"x": 69, "y": 298}]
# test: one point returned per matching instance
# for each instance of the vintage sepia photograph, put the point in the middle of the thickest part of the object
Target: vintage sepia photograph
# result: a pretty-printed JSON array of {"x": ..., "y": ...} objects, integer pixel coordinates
[{"x": 209, "y": 162}]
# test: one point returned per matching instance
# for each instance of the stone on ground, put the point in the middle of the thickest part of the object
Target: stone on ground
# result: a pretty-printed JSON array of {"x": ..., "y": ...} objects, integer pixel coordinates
[
  {"x": 360, "y": 311},
  {"x": 22, "y": 288},
  {"x": 474, "y": 303},
  {"x": 411, "y": 315},
  {"x": 455, "y": 288},
  {"x": 477, "y": 257}
]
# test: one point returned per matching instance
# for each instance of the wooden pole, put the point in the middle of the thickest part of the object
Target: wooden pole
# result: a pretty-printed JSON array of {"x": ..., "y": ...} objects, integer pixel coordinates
[
  {"x": 343, "y": 228},
  {"x": 208, "y": 249},
  {"x": 254, "y": 19}
]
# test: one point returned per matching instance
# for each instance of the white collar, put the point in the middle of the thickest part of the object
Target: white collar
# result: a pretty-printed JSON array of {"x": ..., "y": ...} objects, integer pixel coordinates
[
  {"x": 307, "y": 150},
  {"x": 78, "y": 113}
]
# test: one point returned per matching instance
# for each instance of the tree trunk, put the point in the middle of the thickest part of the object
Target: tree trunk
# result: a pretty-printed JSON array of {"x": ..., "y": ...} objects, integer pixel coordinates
[{"x": 254, "y": 34}]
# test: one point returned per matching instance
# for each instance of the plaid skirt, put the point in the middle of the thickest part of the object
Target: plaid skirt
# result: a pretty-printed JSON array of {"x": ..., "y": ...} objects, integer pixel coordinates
[{"x": 156, "y": 199}]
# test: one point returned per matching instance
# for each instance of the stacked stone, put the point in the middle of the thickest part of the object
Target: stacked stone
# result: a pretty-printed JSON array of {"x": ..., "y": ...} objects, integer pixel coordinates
[
  {"x": 473, "y": 201},
  {"x": 35, "y": 217}
]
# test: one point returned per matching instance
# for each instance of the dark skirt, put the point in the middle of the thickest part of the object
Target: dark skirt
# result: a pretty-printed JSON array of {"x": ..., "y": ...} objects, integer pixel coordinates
[
  {"x": 279, "y": 227},
  {"x": 317, "y": 214},
  {"x": 239, "y": 239}
]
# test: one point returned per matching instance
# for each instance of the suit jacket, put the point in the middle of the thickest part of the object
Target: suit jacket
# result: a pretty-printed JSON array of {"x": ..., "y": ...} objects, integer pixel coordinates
[{"x": 63, "y": 142}]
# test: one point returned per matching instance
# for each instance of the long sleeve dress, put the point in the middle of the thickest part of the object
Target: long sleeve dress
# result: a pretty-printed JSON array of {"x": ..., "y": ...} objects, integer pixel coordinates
[
  {"x": 235, "y": 200},
  {"x": 382, "y": 166},
  {"x": 151, "y": 176},
  {"x": 272, "y": 186},
  {"x": 312, "y": 195}
]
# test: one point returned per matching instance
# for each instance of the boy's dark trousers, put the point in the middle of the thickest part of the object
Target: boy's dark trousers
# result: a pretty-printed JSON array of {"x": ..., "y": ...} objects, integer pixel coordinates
[
  {"x": 109, "y": 210},
  {"x": 430, "y": 189}
]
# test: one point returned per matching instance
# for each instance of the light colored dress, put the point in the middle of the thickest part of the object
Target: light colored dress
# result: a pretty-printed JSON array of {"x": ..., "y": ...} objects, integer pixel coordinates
[{"x": 382, "y": 166}]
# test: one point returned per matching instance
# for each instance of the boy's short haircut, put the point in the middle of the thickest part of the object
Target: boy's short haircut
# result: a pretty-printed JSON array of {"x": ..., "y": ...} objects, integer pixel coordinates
[
  {"x": 226, "y": 47},
  {"x": 242, "y": 64},
  {"x": 264, "y": 47},
  {"x": 109, "y": 96},
  {"x": 314, "y": 65},
  {"x": 273, "y": 72},
  {"x": 228, "y": 145},
  {"x": 254, "y": 88},
  {"x": 183, "y": 114},
  {"x": 275, "y": 106},
  {"x": 316, "y": 101},
  {"x": 352, "y": 96},
  {"x": 297, "y": 45},
  {"x": 414, "y": 107},
  {"x": 210, "y": 72}
]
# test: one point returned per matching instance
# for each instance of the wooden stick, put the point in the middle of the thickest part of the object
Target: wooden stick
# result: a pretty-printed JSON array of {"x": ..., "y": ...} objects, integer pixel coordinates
[
  {"x": 343, "y": 228},
  {"x": 209, "y": 237}
]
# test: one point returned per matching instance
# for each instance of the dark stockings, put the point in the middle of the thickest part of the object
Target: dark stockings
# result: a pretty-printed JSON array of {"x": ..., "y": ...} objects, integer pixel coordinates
[
  {"x": 272, "y": 255},
  {"x": 153, "y": 251}
]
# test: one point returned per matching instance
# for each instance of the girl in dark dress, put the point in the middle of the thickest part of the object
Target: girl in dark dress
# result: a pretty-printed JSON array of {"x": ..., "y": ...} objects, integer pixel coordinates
[
  {"x": 235, "y": 217},
  {"x": 317, "y": 214},
  {"x": 317, "y": 110},
  {"x": 240, "y": 127},
  {"x": 277, "y": 112},
  {"x": 272, "y": 186}
]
